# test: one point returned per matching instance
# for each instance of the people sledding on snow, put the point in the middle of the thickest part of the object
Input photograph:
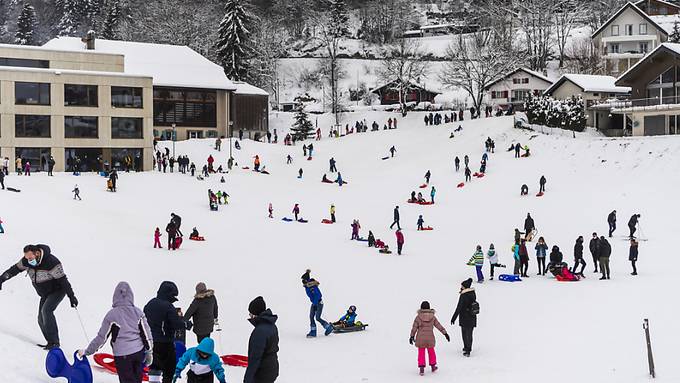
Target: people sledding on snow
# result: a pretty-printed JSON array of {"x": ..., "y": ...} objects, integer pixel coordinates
[
  {"x": 524, "y": 190},
  {"x": 384, "y": 248},
  {"x": 420, "y": 198},
  {"x": 420, "y": 224},
  {"x": 527, "y": 153},
  {"x": 348, "y": 322},
  {"x": 371, "y": 239},
  {"x": 413, "y": 197},
  {"x": 195, "y": 236},
  {"x": 558, "y": 267},
  {"x": 311, "y": 286},
  {"x": 325, "y": 179}
]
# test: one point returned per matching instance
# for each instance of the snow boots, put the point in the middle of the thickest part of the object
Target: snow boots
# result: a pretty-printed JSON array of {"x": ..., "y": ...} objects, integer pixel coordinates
[
  {"x": 327, "y": 331},
  {"x": 312, "y": 333},
  {"x": 422, "y": 371}
]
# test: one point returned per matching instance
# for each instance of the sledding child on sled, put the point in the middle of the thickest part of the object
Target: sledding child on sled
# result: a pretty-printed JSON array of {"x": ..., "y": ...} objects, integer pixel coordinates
[
  {"x": 420, "y": 198},
  {"x": 371, "y": 239},
  {"x": 413, "y": 197},
  {"x": 195, "y": 235},
  {"x": 384, "y": 249},
  {"x": 422, "y": 334},
  {"x": 202, "y": 362},
  {"x": 348, "y": 319}
]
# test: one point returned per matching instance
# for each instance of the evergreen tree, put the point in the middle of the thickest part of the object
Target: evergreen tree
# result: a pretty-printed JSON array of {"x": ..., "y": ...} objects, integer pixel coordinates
[
  {"x": 25, "y": 25},
  {"x": 674, "y": 37},
  {"x": 110, "y": 27},
  {"x": 70, "y": 18},
  {"x": 4, "y": 11},
  {"x": 302, "y": 128},
  {"x": 93, "y": 9},
  {"x": 234, "y": 42},
  {"x": 340, "y": 16}
]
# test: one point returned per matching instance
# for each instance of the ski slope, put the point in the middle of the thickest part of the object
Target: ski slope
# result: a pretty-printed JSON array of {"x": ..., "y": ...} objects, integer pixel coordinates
[{"x": 535, "y": 331}]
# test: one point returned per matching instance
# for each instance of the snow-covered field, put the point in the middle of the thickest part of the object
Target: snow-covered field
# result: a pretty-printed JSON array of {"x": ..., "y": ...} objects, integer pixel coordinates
[{"x": 535, "y": 331}]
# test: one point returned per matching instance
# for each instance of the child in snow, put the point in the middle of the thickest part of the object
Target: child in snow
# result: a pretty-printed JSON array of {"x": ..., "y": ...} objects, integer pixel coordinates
[
  {"x": 226, "y": 197},
  {"x": 348, "y": 319},
  {"x": 420, "y": 222},
  {"x": 2, "y": 229},
  {"x": 413, "y": 197},
  {"x": 524, "y": 190},
  {"x": 371, "y": 239},
  {"x": 296, "y": 211},
  {"x": 325, "y": 179},
  {"x": 194, "y": 234},
  {"x": 433, "y": 191},
  {"x": 312, "y": 289},
  {"x": 524, "y": 257},
  {"x": 332, "y": 213},
  {"x": 300, "y": 173},
  {"x": 355, "y": 229},
  {"x": 76, "y": 193},
  {"x": 202, "y": 362},
  {"x": 477, "y": 260},
  {"x": 420, "y": 198},
  {"x": 219, "y": 197},
  {"x": 384, "y": 249},
  {"x": 157, "y": 239},
  {"x": 493, "y": 259},
  {"x": 271, "y": 210},
  {"x": 422, "y": 334},
  {"x": 339, "y": 180}
]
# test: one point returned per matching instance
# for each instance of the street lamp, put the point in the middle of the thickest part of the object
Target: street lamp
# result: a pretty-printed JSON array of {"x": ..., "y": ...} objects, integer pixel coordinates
[{"x": 174, "y": 138}]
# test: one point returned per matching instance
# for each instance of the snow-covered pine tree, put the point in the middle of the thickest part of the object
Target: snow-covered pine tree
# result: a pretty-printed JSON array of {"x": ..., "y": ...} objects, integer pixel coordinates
[
  {"x": 93, "y": 9},
  {"x": 25, "y": 26},
  {"x": 340, "y": 16},
  {"x": 233, "y": 44},
  {"x": 674, "y": 37},
  {"x": 4, "y": 12},
  {"x": 70, "y": 18},
  {"x": 110, "y": 27},
  {"x": 302, "y": 128}
]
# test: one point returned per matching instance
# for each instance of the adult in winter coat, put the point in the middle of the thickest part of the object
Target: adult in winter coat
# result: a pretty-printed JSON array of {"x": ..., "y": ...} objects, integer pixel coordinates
[
  {"x": 477, "y": 260},
  {"x": 311, "y": 286},
  {"x": 400, "y": 241},
  {"x": 556, "y": 256},
  {"x": 203, "y": 312},
  {"x": 202, "y": 362},
  {"x": 422, "y": 334},
  {"x": 114, "y": 179},
  {"x": 296, "y": 211},
  {"x": 524, "y": 258},
  {"x": 427, "y": 177},
  {"x": 371, "y": 239},
  {"x": 263, "y": 346},
  {"x": 465, "y": 311},
  {"x": 433, "y": 191},
  {"x": 456, "y": 162},
  {"x": 611, "y": 220},
  {"x": 578, "y": 256},
  {"x": 164, "y": 322},
  {"x": 177, "y": 221},
  {"x": 517, "y": 270},
  {"x": 130, "y": 334},
  {"x": 50, "y": 282},
  {"x": 633, "y": 255},
  {"x": 541, "y": 251},
  {"x": 493, "y": 259},
  {"x": 396, "y": 218},
  {"x": 632, "y": 223},
  {"x": 594, "y": 247},
  {"x": 333, "y": 169},
  {"x": 605, "y": 252},
  {"x": 541, "y": 184},
  {"x": 468, "y": 174},
  {"x": 2, "y": 179},
  {"x": 529, "y": 226},
  {"x": 333, "y": 213},
  {"x": 172, "y": 234}
]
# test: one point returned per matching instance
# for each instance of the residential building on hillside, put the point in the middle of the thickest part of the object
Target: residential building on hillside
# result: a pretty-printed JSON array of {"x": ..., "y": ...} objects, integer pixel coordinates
[
  {"x": 658, "y": 7},
  {"x": 514, "y": 89},
  {"x": 389, "y": 93}
]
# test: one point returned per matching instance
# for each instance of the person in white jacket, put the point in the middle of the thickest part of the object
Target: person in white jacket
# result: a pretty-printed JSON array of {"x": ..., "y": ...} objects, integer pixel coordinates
[{"x": 493, "y": 259}]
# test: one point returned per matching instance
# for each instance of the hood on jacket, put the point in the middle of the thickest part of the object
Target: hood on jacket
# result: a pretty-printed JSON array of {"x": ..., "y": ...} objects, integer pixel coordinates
[
  {"x": 205, "y": 294},
  {"x": 123, "y": 295},
  {"x": 426, "y": 315},
  {"x": 168, "y": 291},
  {"x": 265, "y": 317},
  {"x": 207, "y": 346}
]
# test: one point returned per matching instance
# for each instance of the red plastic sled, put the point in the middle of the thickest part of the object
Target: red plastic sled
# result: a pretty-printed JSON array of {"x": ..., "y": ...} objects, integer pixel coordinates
[
  {"x": 460, "y": 185},
  {"x": 420, "y": 203},
  {"x": 327, "y": 181},
  {"x": 327, "y": 221},
  {"x": 309, "y": 158},
  {"x": 426, "y": 229},
  {"x": 235, "y": 360},
  {"x": 478, "y": 175},
  {"x": 199, "y": 238},
  {"x": 539, "y": 194},
  {"x": 245, "y": 168},
  {"x": 106, "y": 362},
  {"x": 423, "y": 186}
]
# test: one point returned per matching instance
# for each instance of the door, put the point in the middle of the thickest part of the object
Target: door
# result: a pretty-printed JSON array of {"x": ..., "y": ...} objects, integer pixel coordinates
[{"x": 655, "y": 125}]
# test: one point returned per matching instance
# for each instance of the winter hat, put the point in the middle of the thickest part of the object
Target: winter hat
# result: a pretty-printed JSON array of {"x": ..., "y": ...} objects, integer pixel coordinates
[
  {"x": 257, "y": 306},
  {"x": 305, "y": 276},
  {"x": 201, "y": 288},
  {"x": 491, "y": 246},
  {"x": 425, "y": 305},
  {"x": 467, "y": 283}
]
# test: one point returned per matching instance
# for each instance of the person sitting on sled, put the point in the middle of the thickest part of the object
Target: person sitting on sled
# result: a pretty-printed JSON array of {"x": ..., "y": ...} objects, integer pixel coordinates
[
  {"x": 385, "y": 250},
  {"x": 325, "y": 179},
  {"x": 371, "y": 239},
  {"x": 194, "y": 234},
  {"x": 413, "y": 197},
  {"x": 524, "y": 190},
  {"x": 511, "y": 148},
  {"x": 526, "y": 151},
  {"x": 420, "y": 198},
  {"x": 348, "y": 319}
]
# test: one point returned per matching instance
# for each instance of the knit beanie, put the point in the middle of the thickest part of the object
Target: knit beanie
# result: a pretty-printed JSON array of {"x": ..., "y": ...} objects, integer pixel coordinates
[
  {"x": 467, "y": 283},
  {"x": 425, "y": 305},
  {"x": 201, "y": 288},
  {"x": 257, "y": 306},
  {"x": 305, "y": 276}
]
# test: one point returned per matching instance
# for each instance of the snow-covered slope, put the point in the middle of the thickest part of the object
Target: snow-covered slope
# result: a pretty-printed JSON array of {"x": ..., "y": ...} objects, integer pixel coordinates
[{"x": 532, "y": 331}]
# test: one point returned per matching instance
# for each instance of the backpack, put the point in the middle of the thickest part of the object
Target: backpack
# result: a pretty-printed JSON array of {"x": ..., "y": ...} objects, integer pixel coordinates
[{"x": 474, "y": 308}]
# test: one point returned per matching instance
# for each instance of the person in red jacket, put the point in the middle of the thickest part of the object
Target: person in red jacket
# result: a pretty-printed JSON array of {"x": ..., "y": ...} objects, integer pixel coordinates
[
  {"x": 157, "y": 239},
  {"x": 400, "y": 241},
  {"x": 211, "y": 160}
]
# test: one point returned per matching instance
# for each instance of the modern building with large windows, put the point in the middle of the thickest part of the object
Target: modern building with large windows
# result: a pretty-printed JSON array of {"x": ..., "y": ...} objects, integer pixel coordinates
[{"x": 99, "y": 104}]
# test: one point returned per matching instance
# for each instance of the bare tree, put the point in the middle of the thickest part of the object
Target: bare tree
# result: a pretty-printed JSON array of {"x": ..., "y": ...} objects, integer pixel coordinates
[
  {"x": 270, "y": 38},
  {"x": 584, "y": 57},
  {"x": 598, "y": 11},
  {"x": 403, "y": 69},
  {"x": 384, "y": 20},
  {"x": 565, "y": 17},
  {"x": 535, "y": 18},
  {"x": 474, "y": 61},
  {"x": 330, "y": 34}
]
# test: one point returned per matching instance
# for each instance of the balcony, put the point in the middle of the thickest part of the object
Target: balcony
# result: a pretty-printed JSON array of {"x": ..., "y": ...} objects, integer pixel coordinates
[
  {"x": 643, "y": 104},
  {"x": 624, "y": 55},
  {"x": 629, "y": 38}
]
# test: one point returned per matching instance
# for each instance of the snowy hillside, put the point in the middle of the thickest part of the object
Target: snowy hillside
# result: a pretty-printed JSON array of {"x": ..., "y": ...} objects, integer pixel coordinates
[{"x": 534, "y": 331}]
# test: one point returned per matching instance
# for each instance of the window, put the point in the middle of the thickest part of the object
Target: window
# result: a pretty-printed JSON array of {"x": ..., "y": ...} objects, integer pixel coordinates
[
  {"x": 668, "y": 76},
  {"x": 671, "y": 124},
  {"x": 126, "y": 97},
  {"x": 644, "y": 47},
  {"x": 31, "y": 126},
  {"x": 80, "y": 95},
  {"x": 24, "y": 63},
  {"x": 615, "y": 48},
  {"x": 643, "y": 29},
  {"x": 185, "y": 107},
  {"x": 504, "y": 94},
  {"x": 81, "y": 127},
  {"x": 212, "y": 134},
  {"x": 520, "y": 95},
  {"x": 515, "y": 81},
  {"x": 629, "y": 29},
  {"x": 493, "y": 94},
  {"x": 525, "y": 80},
  {"x": 32, "y": 93},
  {"x": 37, "y": 157},
  {"x": 119, "y": 158},
  {"x": 615, "y": 30},
  {"x": 127, "y": 127},
  {"x": 596, "y": 95}
]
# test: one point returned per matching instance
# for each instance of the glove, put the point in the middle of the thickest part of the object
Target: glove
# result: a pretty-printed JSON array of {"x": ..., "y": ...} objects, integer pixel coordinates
[
  {"x": 80, "y": 353},
  {"x": 148, "y": 358},
  {"x": 178, "y": 375},
  {"x": 410, "y": 340},
  {"x": 73, "y": 300},
  {"x": 190, "y": 325},
  {"x": 453, "y": 321},
  {"x": 448, "y": 338}
]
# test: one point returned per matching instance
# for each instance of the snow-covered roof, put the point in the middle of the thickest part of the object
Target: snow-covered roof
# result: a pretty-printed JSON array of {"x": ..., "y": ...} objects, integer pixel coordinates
[
  {"x": 590, "y": 83},
  {"x": 672, "y": 47},
  {"x": 169, "y": 65},
  {"x": 634, "y": 8},
  {"x": 72, "y": 71},
  {"x": 640, "y": 2},
  {"x": 436, "y": 26},
  {"x": 245, "y": 88},
  {"x": 666, "y": 22},
  {"x": 413, "y": 83},
  {"x": 526, "y": 70}
]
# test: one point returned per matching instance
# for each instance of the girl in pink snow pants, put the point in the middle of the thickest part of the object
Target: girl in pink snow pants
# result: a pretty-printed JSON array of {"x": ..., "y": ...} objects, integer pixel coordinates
[{"x": 422, "y": 333}]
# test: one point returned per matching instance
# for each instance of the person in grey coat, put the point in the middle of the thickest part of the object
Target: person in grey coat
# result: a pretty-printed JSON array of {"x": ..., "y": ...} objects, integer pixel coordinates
[
  {"x": 131, "y": 338},
  {"x": 203, "y": 311}
]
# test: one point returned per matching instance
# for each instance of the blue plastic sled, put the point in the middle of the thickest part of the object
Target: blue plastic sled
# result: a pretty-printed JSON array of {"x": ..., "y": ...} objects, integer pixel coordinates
[
  {"x": 58, "y": 367},
  {"x": 286, "y": 219},
  {"x": 362, "y": 239},
  {"x": 180, "y": 349},
  {"x": 301, "y": 220},
  {"x": 509, "y": 278}
]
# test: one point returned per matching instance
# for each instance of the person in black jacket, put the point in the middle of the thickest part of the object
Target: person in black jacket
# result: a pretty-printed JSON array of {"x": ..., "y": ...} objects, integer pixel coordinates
[
  {"x": 611, "y": 220},
  {"x": 396, "y": 218},
  {"x": 529, "y": 226},
  {"x": 164, "y": 322},
  {"x": 578, "y": 256},
  {"x": 605, "y": 252},
  {"x": 263, "y": 346},
  {"x": 633, "y": 255},
  {"x": 177, "y": 221},
  {"x": 595, "y": 250},
  {"x": 171, "y": 229},
  {"x": 632, "y": 223},
  {"x": 203, "y": 310},
  {"x": 556, "y": 257},
  {"x": 2, "y": 179},
  {"x": 50, "y": 282},
  {"x": 114, "y": 179},
  {"x": 541, "y": 184},
  {"x": 468, "y": 320}
]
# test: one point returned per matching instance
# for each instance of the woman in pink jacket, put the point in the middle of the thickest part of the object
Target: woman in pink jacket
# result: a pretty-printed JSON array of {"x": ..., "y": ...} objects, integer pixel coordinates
[{"x": 422, "y": 333}]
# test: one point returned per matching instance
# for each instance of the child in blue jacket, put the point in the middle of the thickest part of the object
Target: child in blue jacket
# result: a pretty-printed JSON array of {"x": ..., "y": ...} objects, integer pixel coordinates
[
  {"x": 348, "y": 319},
  {"x": 202, "y": 362},
  {"x": 311, "y": 286}
]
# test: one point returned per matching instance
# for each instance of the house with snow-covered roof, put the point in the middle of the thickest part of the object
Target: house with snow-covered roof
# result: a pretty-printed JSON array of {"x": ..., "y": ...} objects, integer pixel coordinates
[
  {"x": 389, "y": 93},
  {"x": 515, "y": 87}
]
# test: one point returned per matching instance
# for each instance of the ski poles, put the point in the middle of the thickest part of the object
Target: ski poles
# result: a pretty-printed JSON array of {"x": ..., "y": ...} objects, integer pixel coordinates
[{"x": 82, "y": 325}]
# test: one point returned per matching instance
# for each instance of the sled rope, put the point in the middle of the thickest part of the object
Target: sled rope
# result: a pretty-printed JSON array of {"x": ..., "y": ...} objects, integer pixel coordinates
[{"x": 82, "y": 325}]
